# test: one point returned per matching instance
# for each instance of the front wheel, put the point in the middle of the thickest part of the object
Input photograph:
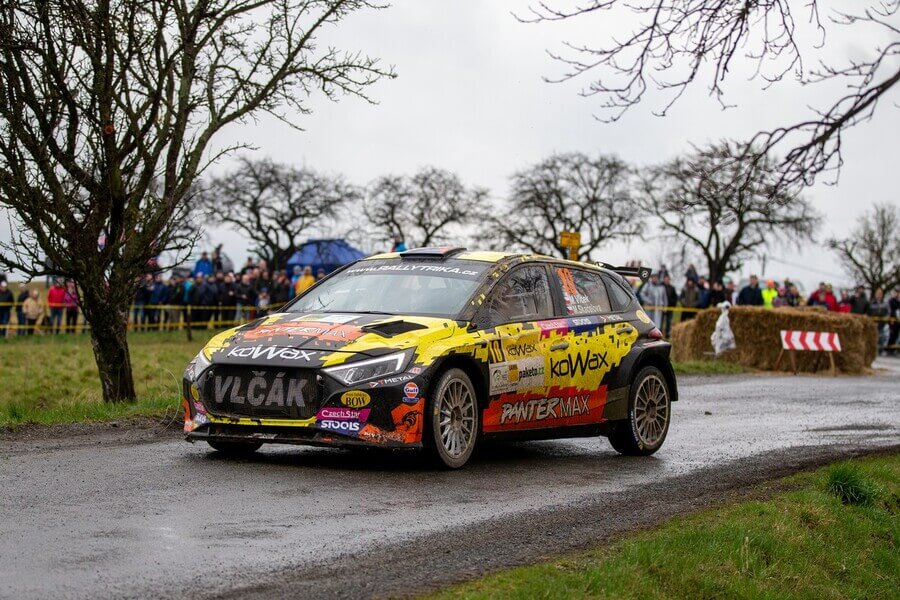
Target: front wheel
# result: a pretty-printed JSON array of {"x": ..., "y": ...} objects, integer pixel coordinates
[
  {"x": 234, "y": 448},
  {"x": 649, "y": 412},
  {"x": 454, "y": 419}
]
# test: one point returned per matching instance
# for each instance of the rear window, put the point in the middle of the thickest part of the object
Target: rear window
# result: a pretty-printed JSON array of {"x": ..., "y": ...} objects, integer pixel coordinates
[
  {"x": 620, "y": 298},
  {"x": 583, "y": 291}
]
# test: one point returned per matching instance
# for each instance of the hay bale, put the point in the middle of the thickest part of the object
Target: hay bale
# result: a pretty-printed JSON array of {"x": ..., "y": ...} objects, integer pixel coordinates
[{"x": 757, "y": 335}]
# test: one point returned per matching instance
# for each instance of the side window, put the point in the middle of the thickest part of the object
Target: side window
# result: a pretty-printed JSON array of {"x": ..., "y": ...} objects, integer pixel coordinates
[
  {"x": 620, "y": 299},
  {"x": 523, "y": 295},
  {"x": 583, "y": 291}
]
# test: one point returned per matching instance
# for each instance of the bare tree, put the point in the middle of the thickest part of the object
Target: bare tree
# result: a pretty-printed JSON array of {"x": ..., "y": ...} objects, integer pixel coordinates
[
  {"x": 671, "y": 44},
  {"x": 568, "y": 192},
  {"x": 275, "y": 205},
  {"x": 727, "y": 205},
  {"x": 423, "y": 209},
  {"x": 871, "y": 253},
  {"x": 107, "y": 112}
]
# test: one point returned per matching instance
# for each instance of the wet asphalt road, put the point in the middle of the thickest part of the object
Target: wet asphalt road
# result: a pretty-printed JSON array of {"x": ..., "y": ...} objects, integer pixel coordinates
[{"x": 136, "y": 513}]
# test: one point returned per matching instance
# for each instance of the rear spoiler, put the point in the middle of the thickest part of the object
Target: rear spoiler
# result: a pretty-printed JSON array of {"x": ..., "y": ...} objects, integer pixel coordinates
[{"x": 643, "y": 273}]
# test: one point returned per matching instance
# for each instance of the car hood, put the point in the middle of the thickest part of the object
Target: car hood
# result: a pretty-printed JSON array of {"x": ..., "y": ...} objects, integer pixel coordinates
[{"x": 315, "y": 340}]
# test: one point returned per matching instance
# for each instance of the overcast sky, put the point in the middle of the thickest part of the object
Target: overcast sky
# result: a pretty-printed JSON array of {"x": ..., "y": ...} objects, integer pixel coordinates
[{"x": 469, "y": 97}]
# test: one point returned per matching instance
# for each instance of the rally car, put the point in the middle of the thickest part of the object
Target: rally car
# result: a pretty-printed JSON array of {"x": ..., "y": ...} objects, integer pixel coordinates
[{"x": 440, "y": 348}]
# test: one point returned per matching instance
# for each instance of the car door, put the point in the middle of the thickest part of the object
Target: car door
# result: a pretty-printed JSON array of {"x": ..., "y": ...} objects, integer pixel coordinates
[
  {"x": 517, "y": 349},
  {"x": 586, "y": 359}
]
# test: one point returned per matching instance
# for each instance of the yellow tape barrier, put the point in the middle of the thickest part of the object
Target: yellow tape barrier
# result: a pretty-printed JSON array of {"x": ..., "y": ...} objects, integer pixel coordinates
[{"x": 175, "y": 317}]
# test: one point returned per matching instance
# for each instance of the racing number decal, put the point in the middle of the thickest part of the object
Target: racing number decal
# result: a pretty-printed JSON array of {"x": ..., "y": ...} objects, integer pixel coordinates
[
  {"x": 496, "y": 351},
  {"x": 567, "y": 281}
]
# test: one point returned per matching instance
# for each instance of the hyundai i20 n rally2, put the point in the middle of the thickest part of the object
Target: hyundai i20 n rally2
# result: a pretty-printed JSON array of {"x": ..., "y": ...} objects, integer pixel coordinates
[{"x": 440, "y": 348}]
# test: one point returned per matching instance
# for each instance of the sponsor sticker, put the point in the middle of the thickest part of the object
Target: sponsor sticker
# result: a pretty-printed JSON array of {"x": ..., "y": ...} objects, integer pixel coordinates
[
  {"x": 279, "y": 391},
  {"x": 355, "y": 399},
  {"x": 642, "y": 316},
  {"x": 518, "y": 375},
  {"x": 542, "y": 409},
  {"x": 343, "y": 414},
  {"x": 339, "y": 426},
  {"x": 270, "y": 352},
  {"x": 411, "y": 390}
]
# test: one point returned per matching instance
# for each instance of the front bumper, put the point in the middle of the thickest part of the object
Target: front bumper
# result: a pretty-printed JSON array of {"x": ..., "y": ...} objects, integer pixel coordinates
[{"x": 386, "y": 413}]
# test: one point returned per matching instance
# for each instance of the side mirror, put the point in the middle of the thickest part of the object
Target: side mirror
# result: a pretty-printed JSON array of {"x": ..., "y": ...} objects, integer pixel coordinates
[{"x": 481, "y": 320}]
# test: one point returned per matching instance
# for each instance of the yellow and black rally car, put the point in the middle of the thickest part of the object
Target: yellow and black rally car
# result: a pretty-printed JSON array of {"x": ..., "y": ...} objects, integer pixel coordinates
[{"x": 439, "y": 348}]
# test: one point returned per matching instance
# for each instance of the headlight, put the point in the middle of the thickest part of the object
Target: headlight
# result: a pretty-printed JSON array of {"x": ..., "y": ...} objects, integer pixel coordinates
[
  {"x": 200, "y": 365},
  {"x": 369, "y": 369}
]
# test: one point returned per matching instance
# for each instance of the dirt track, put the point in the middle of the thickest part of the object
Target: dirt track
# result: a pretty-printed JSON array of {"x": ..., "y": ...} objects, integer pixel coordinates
[{"x": 125, "y": 512}]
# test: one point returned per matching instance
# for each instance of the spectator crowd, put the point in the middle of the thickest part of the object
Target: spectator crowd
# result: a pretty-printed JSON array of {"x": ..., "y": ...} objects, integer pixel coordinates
[
  {"x": 663, "y": 301},
  {"x": 207, "y": 294},
  {"x": 213, "y": 293}
]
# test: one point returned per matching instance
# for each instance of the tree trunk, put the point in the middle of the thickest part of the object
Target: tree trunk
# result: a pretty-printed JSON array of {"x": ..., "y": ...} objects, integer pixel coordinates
[{"x": 108, "y": 337}]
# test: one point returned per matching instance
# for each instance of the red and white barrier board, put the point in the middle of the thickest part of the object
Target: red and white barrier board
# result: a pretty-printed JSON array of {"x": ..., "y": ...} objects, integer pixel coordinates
[{"x": 821, "y": 341}]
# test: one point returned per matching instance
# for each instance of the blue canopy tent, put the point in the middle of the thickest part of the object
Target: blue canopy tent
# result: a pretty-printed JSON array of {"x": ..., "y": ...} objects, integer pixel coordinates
[{"x": 324, "y": 254}]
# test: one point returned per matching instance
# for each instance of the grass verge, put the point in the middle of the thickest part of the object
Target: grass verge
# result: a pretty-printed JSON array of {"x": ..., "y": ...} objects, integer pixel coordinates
[
  {"x": 53, "y": 379},
  {"x": 836, "y": 534}
]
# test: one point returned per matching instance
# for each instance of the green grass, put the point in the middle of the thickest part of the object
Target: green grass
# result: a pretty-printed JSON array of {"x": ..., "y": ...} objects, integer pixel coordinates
[
  {"x": 708, "y": 367},
  {"x": 811, "y": 542},
  {"x": 53, "y": 379}
]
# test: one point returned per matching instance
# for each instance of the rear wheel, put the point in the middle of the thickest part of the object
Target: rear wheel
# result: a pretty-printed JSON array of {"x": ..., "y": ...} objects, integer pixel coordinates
[
  {"x": 234, "y": 448},
  {"x": 454, "y": 419},
  {"x": 649, "y": 413}
]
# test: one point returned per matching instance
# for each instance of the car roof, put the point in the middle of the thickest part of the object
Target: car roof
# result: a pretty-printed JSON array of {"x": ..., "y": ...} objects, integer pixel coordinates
[{"x": 485, "y": 256}]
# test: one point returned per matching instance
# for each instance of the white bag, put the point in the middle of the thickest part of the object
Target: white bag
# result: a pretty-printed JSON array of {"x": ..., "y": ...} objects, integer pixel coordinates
[{"x": 723, "y": 338}]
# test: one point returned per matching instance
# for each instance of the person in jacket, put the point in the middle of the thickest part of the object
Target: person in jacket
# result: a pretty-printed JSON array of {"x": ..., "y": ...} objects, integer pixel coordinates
[
  {"x": 55, "y": 296},
  {"x": 859, "y": 304},
  {"x": 280, "y": 290},
  {"x": 204, "y": 266},
  {"x": 702, "y": 292},
  {"x": 397, "y": 243},
  {"x": 34, "y": 310},
  {"x": 769, "y": 293},
  {"x": 793, "y": 296},
  {"x": 653, "y": 296},
  {"x": 691, "y": 274},
  {"x": 7, "y": 301},
  {"x": 263, "y": 301},
  {"x": 158, "y": 297},
  {"x": 246, "y": 299},
  {"x": 781, "y": 300},
  {"x": 208, "y": 297},
  {"x": 176, "y": 301},
  {"x": 20, "y": 311},
  {"x": 751, "y": 295},
  {"x": 689, "y": 298},
  {"x": 70, "y": 303},
  {"x": 671, "y": 303},
  {"x": 717, "y": 294},
  {"x": 305, "y": 281},
  {"x": 823, "y": 297},
  {"x": 844, "y": 303},
  {"x": 894, "y": 313},
  {"x": 880, "y": 309},
  {"x": 228, "y": 299}
]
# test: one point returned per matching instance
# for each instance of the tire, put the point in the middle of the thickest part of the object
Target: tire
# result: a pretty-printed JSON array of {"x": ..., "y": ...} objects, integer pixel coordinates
[
  {"x": 649, "y": 415},
  {"x": 234, "y": 448},
  {"x": 454, "y": 420}
]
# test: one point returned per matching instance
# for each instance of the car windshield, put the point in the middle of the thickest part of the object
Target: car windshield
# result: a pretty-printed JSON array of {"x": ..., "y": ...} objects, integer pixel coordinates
[{"x": 396, "y": 286}]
